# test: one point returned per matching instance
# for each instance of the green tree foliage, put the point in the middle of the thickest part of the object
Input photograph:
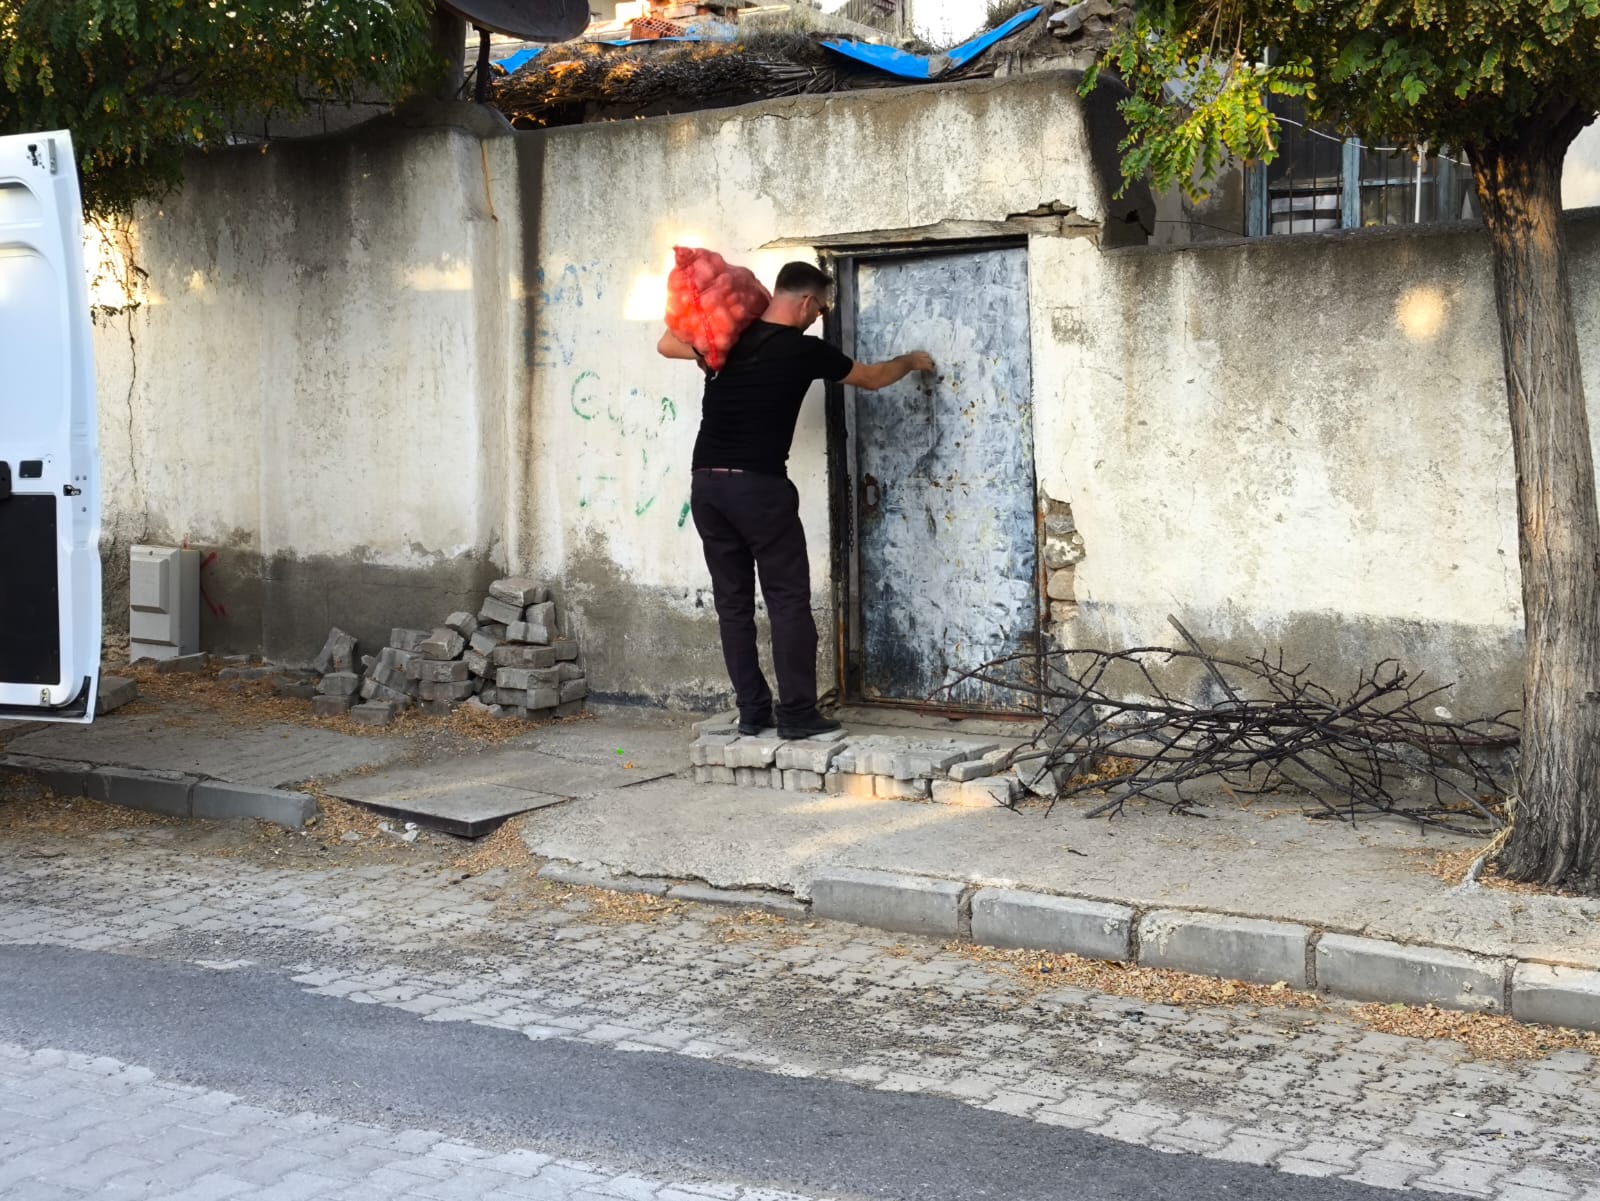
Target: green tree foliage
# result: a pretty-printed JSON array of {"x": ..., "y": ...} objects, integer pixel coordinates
[
  {"x": 139, "y": 82},
  {"x": 1511, "y": 83},
  {"x": 1447, "y": 72}
]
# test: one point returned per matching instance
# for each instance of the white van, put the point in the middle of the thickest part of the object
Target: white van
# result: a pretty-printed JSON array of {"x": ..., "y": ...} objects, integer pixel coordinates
[{"x": 49, "y": 451}]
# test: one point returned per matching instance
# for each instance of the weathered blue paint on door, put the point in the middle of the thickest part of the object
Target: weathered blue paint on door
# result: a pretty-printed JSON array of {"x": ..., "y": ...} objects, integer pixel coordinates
[{"x": 945, "y": 484}]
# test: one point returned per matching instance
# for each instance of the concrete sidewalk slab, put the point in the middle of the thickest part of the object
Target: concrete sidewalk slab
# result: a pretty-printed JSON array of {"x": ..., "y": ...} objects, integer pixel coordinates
[
  {"x": 270, "y": 754},
  {"x": 477, "y": 791},
  {"x": 1366, "y": 880}
]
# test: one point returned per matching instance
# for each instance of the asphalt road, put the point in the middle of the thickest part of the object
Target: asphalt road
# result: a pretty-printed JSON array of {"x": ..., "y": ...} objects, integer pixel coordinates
[{"x": 252, "y": 1032}]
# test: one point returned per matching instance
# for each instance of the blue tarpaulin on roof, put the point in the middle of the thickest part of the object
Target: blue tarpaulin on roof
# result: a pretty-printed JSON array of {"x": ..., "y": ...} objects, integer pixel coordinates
[
  {"x": 967, "y": 51},
  {"x": 914, "y": 66},
  {"x": 521, "y": 58},
  {"x": 885, "y": 58}
]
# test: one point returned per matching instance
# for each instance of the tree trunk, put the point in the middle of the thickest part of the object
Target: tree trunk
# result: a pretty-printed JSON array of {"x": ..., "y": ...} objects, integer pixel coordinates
[
  {"x": 449, "y": 39},
  {"x": 1556, "y": 837}
]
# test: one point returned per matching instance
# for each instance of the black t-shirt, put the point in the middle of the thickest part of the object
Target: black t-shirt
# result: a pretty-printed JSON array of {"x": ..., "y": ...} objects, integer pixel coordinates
[{"x": 751, "y": 405}]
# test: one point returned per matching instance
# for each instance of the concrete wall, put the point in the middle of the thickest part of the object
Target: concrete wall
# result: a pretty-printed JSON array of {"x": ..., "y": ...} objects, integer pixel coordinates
[
  {"x": 605, "y": 505},
  {"x": 314, "y": 382},
  {"x": 372, "y": 371}
]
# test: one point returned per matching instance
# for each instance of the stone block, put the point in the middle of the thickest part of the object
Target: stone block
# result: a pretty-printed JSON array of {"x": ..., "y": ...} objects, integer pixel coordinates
[
  {"x": 972, "y": 769},
  {"x": 753, "y": 777},
  {"x": 477, "y": 664},
  {"x": 369, "y": 689},
  {"x": 983, "y": 793},
  {"x": 514, "y": 697},
  {"x": 702, "y": 774},
  {"x": 519, "y": 678},
  {"x": 798, "y": 779},
  {"x": 338, "y": 653},
  {"x": 544, "y": 696},
  {"x": 751, "y": 752},
  {"x": 519, "y": 590},
  {"x": 1062, "y": 611},
  {"x": 565, "y": 672},
  {"x": 382, "y": 692},
  {"x": 494, "y": 629},
  {"x": 393, "y": 677},
  {"x": 113, "y": 693},
  {"x": 1374, "y": 969},
  {"x": 484, "y": 644},
  {"x": 722, "y": 775},
  {"x": 374, "y": 713},
  {"x": 218, "y": 800},
  {"x": 536, "y": 633},
  {"x": 511, "y": 655},
  {"x": 925, "y": 762},
  {"x": 888, "y": 901},
  {"x": 1556, "y": 996},
  {"x": 331, "y": 706},
  {"x": 569, "y": 709},
  {"x": 495, "y": 610},
  {"x": 247, "y": 673},
  {"x": 167, "y": 792},
  {"x": 807, "y": 755},
  {"x": 407, "y": 640},
  {"x": 850, "y": 784},
  {"x": 566, "y": 649},
  {"x": 1061, "y": 585},
  {"x": 1005, "y": 917},
  {"x": 183, "y": 664},
  {"x": 438, "y": 707},
  {"x": 447, "y": 690},
  {"x": 444, "y": 643},
  {"x": 444, "y": 672},
  {"x": 542, "y": 613},
  {"x": 462, "y": 623},
  {"x": 339, "y": 683},
  {"x": 890, "y": 789},
  {"x": 1236, "y": 948},
  {"x": 574, "y": 690}
]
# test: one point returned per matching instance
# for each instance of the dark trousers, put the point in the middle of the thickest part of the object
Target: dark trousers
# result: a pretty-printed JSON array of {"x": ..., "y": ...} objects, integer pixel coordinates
[{"x": 750, "y": 525}]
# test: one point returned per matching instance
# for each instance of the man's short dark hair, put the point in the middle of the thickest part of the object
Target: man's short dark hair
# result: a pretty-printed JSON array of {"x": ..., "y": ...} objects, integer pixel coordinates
[{"x": 804, "y": 277}]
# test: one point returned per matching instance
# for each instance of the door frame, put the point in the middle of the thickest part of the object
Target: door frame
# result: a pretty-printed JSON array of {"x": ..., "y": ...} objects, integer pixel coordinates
[{"x": 843, "y": 499}]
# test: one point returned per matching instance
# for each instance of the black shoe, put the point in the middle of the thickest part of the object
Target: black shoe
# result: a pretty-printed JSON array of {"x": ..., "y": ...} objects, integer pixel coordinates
[
  {"x": 751, "y": 728},
  {"x": 809, "y": 728}
]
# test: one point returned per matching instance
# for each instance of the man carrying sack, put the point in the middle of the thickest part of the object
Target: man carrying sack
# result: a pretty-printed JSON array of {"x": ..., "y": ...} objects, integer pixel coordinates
[{"x": 745, "y": 507}]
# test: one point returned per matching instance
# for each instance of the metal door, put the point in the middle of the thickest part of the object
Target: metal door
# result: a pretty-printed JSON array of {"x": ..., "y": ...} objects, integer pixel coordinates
[
  {"x": 945, "y": 577},
  {"x": 49, "y": 470}
]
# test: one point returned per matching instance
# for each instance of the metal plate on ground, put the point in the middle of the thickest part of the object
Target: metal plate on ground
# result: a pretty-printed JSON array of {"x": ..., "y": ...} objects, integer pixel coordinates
[{"x": 479, "y": 792}]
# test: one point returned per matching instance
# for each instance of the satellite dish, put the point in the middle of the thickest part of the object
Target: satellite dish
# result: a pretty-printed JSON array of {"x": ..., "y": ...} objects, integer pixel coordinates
[{"x": 531, "y": 20}]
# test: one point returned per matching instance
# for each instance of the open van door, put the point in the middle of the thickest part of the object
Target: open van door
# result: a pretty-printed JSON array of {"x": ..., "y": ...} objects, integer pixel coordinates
[{"x": 50, "y": 621}]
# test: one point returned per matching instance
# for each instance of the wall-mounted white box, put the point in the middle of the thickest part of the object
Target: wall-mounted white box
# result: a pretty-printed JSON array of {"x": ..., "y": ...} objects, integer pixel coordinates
[{"x": 163, "y": 602}]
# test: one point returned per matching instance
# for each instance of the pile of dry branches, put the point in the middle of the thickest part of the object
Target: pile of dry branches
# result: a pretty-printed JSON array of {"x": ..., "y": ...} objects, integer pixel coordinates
[{"x": 1384, "y": 746}]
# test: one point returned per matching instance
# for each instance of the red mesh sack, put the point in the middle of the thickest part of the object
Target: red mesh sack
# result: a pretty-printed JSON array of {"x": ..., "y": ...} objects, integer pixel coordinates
[{"x": 710, "y": 303}]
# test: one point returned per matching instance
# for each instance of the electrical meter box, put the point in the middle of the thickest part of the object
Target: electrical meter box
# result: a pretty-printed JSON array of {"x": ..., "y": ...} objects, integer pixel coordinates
[{"x": 163, "y": 602}]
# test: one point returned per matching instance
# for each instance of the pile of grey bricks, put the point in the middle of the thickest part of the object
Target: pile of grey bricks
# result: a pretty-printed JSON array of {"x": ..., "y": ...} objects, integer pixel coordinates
[
  {"x": 910, "y": 767},
  {"x": 509, "y": 660}
]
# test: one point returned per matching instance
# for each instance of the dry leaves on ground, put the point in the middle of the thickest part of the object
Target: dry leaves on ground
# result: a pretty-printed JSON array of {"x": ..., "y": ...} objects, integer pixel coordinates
[
  {"x": 28, "y": 809},
  {"x": 503, "y": 848},
  {"x": 1155, "y": 985},
  {"x": 1486, "y": 1036},
  {"x": 253, "y": 702},
  {"x": 1452, "y": 867},
  {"x": 773, "y": 929}
]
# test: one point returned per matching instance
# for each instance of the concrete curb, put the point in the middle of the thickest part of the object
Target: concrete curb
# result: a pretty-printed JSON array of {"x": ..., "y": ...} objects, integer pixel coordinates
[
  {"x": 173, "y": 794},
  {"x": 1205, "y": 943}
]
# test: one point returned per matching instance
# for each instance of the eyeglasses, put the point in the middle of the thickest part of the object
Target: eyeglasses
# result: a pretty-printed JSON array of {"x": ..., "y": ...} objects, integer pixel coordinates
[{"x": 822, "y": 307}]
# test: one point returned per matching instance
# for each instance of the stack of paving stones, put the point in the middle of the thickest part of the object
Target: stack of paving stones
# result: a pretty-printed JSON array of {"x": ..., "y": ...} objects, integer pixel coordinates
[
  {"x": 509, "y": 660},
  {"x": 913, "y": 767}
]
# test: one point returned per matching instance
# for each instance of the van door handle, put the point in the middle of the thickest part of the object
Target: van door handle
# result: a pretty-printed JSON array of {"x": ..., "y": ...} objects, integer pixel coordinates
[{"x": 5, "y": 480}]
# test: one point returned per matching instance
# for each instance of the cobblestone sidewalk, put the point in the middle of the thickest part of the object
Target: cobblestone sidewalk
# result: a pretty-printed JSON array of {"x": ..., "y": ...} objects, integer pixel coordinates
[{"x": 1305, "y": 1092}]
